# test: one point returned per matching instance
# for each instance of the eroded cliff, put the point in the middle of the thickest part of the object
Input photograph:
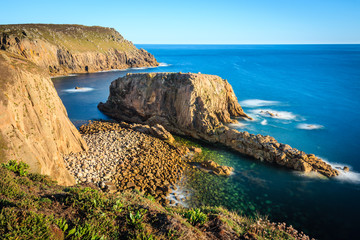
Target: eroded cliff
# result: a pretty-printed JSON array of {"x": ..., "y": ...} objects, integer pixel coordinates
[
  {"x": 199, "y": 106},
  {"x": 34, "y": 126},
  {"x": 64, "y": 49}
]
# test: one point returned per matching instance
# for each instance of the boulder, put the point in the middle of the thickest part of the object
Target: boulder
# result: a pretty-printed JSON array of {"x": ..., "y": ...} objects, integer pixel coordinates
[{"x": 217, "y": 168}]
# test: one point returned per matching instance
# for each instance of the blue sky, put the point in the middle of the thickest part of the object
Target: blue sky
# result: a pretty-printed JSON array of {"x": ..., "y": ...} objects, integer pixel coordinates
[{"x": 202, "y": 21}]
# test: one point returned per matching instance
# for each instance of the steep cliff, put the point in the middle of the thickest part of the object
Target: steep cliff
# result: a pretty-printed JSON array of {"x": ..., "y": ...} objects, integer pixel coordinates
[
  {"x": 64, "y": 49},
  {"x": 34, "y": 126},
  {"x": 187, "y": 104},
  {"x": 199, "y": 105}
]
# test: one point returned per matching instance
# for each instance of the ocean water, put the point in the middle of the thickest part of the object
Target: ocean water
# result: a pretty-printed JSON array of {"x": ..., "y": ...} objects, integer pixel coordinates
[{"x": 313, "y": 92}]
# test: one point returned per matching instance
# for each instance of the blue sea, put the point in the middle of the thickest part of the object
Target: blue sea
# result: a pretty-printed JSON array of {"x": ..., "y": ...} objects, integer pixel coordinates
[{"x": 314, "y": 92}]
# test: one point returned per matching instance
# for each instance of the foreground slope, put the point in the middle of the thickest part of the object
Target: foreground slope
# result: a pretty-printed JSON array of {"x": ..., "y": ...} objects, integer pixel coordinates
[
  {"x": 64, "y": 49},
  {"x": 34, "y": 126},
  {"x": 32, "y": 207}
]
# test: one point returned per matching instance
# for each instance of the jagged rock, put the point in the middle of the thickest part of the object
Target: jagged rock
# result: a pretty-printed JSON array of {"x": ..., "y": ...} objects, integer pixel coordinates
[
  {"x": 60, "y": 49},
  {"x": 217, "y": 169},
  {"x": 34, "y": 126},
  {"x": 199, "y": 106},
  {"x": 195, "y": 149},
  {"x": 346, "y": 169}
]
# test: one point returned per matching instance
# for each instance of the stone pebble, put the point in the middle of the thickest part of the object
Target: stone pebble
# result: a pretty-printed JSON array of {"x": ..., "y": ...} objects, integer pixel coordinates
[{"x": 119, "y": 159}]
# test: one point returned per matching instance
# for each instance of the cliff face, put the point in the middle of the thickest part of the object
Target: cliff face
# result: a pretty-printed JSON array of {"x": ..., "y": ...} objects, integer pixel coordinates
[
  {"x": 64, "y": 49},
  {"x": 199, "y": 105},
  {"x": 34, "y": 126},
  {"x": 187, "y": 104}
]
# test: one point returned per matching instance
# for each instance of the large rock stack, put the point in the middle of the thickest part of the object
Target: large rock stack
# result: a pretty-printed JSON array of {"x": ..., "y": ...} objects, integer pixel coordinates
[{"x": 199, "y": 106}]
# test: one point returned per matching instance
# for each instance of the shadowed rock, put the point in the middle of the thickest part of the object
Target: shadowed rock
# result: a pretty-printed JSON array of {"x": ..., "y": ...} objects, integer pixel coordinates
[{"x": 199, "y": 106}]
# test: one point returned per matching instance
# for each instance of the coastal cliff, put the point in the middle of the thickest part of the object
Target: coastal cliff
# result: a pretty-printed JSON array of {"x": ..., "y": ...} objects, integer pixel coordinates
[
  {"x": 199, "y": 106},
  {"x": 34, "y": 126},
  {"x": 65, "y": 49}
]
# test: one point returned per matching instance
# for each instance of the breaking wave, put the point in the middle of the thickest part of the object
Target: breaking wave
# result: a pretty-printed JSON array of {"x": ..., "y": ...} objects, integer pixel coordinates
[
  {"x": 264, "y": 122},
  {"x": 348, "y": 177},
  {"x": 284, "y": 115},
  {"x": 307, "y": 126},
  {"x": 163, "y": 65},
  {"x": 238, "y": 125},
  {"x": 252, "y": 103}
]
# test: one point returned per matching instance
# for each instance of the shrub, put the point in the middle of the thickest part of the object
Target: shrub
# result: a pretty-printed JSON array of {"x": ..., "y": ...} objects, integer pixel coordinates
[
  {"x": 195, "y": 216},
  {"x": 24, "y": 225},
  {"x": 135, "y": 220},
  {"x": 86, "y": 199},
  {"x": 19, "y": 168}
]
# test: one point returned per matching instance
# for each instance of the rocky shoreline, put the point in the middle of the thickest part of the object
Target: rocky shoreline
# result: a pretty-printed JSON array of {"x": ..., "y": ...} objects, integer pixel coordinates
[
  {"x": 120, "y": 158},
  {"x": 200, "y": 106}
]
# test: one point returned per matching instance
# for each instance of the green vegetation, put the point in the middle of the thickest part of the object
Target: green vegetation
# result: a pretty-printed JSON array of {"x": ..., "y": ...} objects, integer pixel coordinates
[
  {"x": 17, "y": 167},
  {"x": 195, "y": 216},
  {"x": 75, "y": 38},
  {"x": 34, "y": 207}
]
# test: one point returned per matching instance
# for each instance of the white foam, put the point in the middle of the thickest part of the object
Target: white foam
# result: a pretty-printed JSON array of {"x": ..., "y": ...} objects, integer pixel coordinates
[
  {"x": 284, "y": 115},
  {"x": 113, "y": 70},
  {"x": 61, "y": 76},
  {"x": 252, "y": 103},
  {"x": 263, "y": 122},
  {"x": 306, "y": 126},
  {"x": 73, "y": 90},
  {"x": 237, "y": 125},
  {"x": 163, "y": 65},
  {"x": 313, "y": 175},
  {"x": 348, "y": 177},
  {"x": 139, "y": 68}
]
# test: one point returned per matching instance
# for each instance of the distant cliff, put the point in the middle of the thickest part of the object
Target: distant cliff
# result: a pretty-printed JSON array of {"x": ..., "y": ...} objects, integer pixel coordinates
[
  {"x": 34, "y": 126},
  {"x": 64, "y": 49},
  {"x": 198, "y": 105}
]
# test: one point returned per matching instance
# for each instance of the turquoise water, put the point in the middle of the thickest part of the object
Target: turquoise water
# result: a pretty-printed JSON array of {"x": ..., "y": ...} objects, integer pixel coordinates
[{"x": 313, "y": 89}]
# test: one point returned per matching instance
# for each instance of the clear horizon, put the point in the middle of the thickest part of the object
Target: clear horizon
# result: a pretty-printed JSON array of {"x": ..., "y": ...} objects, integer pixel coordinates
[{"x": 231, "y": 22}]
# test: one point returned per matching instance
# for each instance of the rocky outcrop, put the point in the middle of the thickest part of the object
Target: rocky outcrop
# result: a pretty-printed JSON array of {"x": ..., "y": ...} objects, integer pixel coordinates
[
  {"x": 199, "y": 106},
  {"x": 184, "y": 103},
  {"x": 217, "y": 168},
  {"x": 64, "y": 49},
  {"x": 34, "y": 126},
  {"x": 157, "y": 131}
]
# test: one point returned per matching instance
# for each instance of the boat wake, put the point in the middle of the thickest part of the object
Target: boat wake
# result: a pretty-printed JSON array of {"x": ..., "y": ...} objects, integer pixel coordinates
[{"x": 73, "y": 90}]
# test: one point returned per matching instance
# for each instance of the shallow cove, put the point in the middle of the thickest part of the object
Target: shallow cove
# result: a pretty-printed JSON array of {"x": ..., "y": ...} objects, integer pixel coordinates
[{"x": 303, "y": 85}]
